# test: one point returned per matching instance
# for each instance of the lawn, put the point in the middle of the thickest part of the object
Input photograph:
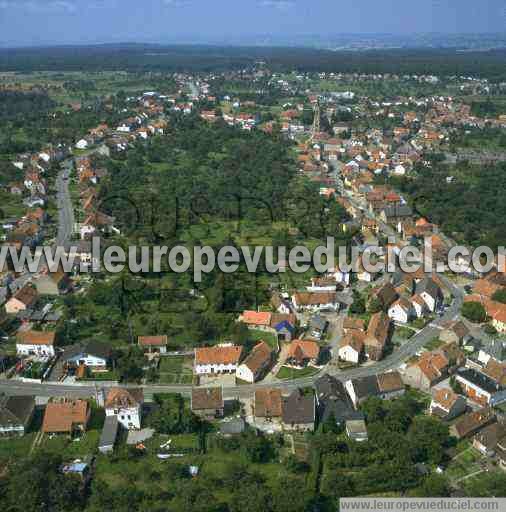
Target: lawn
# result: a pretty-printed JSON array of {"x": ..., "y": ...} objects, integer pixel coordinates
[
  {"x": 12, "y": 448},
  {"x": 176, "y": 370},
  {"x": 269, "y": 338},
  {"x": 180, "y": 441},
  {"x": 464, "y": 464},
  {"x": 286, "y": 373},
  {"x": 404, "y": 332},
  {"x": 433, "y": 344},
  {"x": 73, "y": 448},
  {"x": 102, "y": 376}
]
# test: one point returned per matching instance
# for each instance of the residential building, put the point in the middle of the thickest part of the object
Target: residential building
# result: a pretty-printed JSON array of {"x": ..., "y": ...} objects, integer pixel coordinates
[
  {"x": 207, "y": 402},
  {"x": 486, "y": 441},
  {"x": 66, "y": 417},
  {"x": 16, "y": 413},
  {"x": 377, "y": 336},
  {"x": 333, "y": 401},
  {"x": 153, "y": 344},
  {"x": 446, "y": 404},
  {"x": 316, "y": 301},
  {"x": 420, "y": 308},
  {"x": 351, "y": 346},
  {"x": 256, "y": 363},
  {"x": 480, "y": 387},
  {"x": 217, "y": 360},
  {"x": 126, "y": 404},
  {"x": 302, "y": 353},
  {"x": 401, "y": 311},
  {"x": 431, "y": 368},
  {"x": 299, "y": 411},
  {"x": 455, "y": 332},
  {"x": 472, "y": 422},
  {"x": 430, "y": 292},
  {"x": 53, "y": 283},
  {"x": 256, "y": 320},
  {"x": 283, "y": 328},
  {"x": 387, "y": 295},
  {"x": 22, "y": 300},
  {"x": 496, "y": 350},
  {"x": 267, "y": 409},
  {"x": 386, "y": 386},
  {"x": 353, "y": 324},
  {"x": 94, "y": 355},
  {"x": 36, "y": 343}
]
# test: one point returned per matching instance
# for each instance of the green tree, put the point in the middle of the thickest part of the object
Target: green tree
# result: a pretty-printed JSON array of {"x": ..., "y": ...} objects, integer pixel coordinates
[
  {"x": 258, "y": 448},
  {"x": 291, "y": 495},
  {"x": 432, "y": 486},
  {"x": 500, "y": 296},
  {"x": 474, "y": 312},
  {"x": 375, "y": 305},
  {"x": 358, "y": 305}
]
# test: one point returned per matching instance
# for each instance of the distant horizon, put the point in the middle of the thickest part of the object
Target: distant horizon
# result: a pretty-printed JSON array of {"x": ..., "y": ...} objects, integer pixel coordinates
[
  {"x": 32, "y": 23},
  {"x": 412, "y": 41}
]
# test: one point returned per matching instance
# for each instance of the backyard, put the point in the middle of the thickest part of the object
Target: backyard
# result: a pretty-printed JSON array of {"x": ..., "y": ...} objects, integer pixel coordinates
[
  {"x": 175, "y": 370},
  {"x": 288, "y": 373}
]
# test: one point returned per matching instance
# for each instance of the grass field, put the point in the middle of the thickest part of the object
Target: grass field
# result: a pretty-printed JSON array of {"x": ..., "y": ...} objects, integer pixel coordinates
[
  {"x": 270, "y": 339},
  {"x": 176, "y": 370},
  {"x": 433, "y": 344},
  {"x": 13, "y": 448},
  {"x": 286, "y": 373},
  {"x": 463, "y": 464}
]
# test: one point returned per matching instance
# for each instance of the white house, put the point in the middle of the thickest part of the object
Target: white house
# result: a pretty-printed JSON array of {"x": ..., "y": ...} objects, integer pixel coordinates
[
  {"x": 430, "y": 293},
  {"x": 351, "y": 347},
  {"x": 126, "y": 404},
  {"x": 446, "y": 404},
  {"x": 217, "y": 360},
  {"x": 401, "y": 311},
  {"x": 255, "y": 364},
  {"x": 86, "y": 230},
  {"x": 315, "y": 301},
  {"x": 82, "y": 144},
  {"x": 93, "y": 355},
  {"x": 16, "y": 413},
  {"x": 35, "y": 343},
  {"x": 420, "y": 308}
]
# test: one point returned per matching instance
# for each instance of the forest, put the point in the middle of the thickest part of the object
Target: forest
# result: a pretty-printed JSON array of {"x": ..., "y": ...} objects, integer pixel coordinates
[
  {"x": 470, "y": 208},
  {"x": 234, "y": 470},
  {"x": 200, "y": 185},
  {"x": 143, "y": 57}
]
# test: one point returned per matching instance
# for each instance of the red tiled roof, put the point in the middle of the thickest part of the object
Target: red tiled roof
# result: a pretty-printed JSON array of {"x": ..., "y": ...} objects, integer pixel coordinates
[
  {"x": 218, "y": 355},
  {"x": 256, "y": 318},
  {"x": 62, "y": 417},
  {"x": 36, "y": 338},
  {"x": 152, "y": 341}
]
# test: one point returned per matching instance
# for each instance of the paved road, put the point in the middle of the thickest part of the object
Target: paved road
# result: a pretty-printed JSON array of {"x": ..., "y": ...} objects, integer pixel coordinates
[
  {"x": 65, "y": 210},
  {"x": 65, "y": 221},
  {"x": 393, "y": 361}
]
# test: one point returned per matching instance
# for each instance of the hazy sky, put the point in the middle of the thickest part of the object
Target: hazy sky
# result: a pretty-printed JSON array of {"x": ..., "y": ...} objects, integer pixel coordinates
[{"x": 74, "y": 21}]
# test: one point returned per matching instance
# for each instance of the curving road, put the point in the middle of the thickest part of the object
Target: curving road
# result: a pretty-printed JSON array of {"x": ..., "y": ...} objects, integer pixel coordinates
[{"x": 391, "y": 362}]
